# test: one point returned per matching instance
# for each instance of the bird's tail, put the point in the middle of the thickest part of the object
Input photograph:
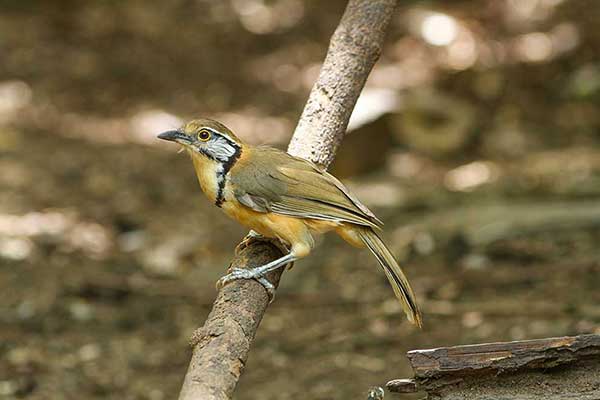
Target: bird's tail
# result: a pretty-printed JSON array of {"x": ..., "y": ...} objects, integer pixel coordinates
[{"x": 393, "y": 272}]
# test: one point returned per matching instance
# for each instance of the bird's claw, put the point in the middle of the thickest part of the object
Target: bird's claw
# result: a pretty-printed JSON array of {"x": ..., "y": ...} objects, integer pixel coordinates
[
  {"x": 269, "y": 287},
  {"x": 241, "y": 273}
]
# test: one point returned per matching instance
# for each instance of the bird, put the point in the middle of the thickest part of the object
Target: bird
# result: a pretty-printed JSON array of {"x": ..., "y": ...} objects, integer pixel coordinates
[{"x": 286, "y": 198}]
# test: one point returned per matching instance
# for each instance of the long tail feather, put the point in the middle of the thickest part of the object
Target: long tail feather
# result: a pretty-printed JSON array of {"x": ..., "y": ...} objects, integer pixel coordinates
[{"x": 393, "y": 272}]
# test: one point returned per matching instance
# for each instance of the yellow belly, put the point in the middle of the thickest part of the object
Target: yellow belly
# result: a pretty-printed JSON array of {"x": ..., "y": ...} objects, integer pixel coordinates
[
  {"x": 267, "y": 224},
  {"x": 289, "y": 229}
]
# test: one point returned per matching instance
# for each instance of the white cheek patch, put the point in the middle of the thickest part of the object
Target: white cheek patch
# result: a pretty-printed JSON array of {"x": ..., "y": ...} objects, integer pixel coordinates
[{"x": 221, "y": 149}]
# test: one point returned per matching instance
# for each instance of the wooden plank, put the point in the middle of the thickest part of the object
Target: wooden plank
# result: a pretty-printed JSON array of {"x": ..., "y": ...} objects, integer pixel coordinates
[
  {"x": 553, "y": 368},
  {"x": 492, "y": 358}
]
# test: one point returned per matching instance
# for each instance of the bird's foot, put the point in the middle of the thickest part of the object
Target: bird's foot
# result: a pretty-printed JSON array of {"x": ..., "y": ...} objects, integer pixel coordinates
[
  {"x": 240, "y": 273},
  {"x": 252, "y": 236}
]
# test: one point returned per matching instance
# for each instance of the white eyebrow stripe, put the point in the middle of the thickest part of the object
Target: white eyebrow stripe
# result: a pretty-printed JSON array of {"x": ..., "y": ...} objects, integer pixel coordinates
[{"x": 222, "y": 134}]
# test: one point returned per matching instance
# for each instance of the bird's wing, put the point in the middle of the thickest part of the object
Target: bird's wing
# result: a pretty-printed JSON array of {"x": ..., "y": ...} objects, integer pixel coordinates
[{"x": 273, "y": 181}]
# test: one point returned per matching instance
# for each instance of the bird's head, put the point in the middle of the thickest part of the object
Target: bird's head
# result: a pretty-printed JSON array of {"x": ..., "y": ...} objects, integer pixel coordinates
[{"x": 208, "y": 138}]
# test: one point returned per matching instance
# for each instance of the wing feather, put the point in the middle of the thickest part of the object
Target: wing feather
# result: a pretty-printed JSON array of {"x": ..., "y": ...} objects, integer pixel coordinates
[{"x": 295, "y": 187}]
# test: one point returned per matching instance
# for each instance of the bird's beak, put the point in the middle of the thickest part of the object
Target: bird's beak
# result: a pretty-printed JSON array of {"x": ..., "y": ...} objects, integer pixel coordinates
[{"x": 175, "y": 136}]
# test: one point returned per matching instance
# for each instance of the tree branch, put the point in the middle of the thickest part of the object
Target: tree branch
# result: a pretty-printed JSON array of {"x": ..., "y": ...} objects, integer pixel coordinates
[
  {"x": 353, "y": 50},
  {"x": 221, "y": 346}
]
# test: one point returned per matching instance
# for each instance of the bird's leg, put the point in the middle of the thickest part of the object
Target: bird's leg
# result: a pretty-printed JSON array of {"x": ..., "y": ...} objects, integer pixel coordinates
[{"x": 258, "y": 273}]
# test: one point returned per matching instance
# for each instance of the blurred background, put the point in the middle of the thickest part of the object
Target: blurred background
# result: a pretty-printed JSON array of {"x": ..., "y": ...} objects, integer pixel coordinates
[{"x": 477, "y": 141}]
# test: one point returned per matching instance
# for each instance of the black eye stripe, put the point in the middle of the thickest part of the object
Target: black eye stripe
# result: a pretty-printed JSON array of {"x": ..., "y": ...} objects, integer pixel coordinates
[{"x": 223, "y": 173}]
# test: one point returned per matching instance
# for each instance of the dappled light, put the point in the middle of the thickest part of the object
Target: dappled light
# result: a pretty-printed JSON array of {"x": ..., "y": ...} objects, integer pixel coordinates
[{"x": 439, "y": 29}]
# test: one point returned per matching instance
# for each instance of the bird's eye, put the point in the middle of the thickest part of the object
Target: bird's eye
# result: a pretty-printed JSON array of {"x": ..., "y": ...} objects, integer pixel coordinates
[{"x": 203, "y": 135}]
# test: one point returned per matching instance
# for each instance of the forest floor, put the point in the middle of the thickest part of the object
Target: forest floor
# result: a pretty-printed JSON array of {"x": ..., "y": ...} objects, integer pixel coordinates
[{"x": 110, "y": 256}]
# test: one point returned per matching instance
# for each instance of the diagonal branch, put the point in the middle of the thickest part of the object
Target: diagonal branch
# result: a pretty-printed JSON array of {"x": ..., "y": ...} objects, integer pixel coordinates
[
  {"x": 353, "y": 50},
  {"x": 221, "y": 346}
]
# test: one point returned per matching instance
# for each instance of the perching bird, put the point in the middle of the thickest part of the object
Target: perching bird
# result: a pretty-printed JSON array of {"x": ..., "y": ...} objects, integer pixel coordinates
[{"x": 283, "y": 197}]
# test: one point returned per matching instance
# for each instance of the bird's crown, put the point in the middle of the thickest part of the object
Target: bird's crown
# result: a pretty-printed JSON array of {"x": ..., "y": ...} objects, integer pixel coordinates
[{"x": 196, "y": 127}]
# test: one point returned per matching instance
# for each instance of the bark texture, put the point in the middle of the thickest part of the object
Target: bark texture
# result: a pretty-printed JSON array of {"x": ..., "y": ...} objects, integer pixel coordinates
[
  {"x": 221, "y": 346},
  {"x": 354, "y": 49},
  {"x": 555, "y": 368}
]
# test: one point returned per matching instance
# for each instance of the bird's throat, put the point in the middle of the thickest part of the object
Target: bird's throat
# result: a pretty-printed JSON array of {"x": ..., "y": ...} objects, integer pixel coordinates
[
  {"x": 206, "y": 171},
  {"x": 212, "y": 175}
]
